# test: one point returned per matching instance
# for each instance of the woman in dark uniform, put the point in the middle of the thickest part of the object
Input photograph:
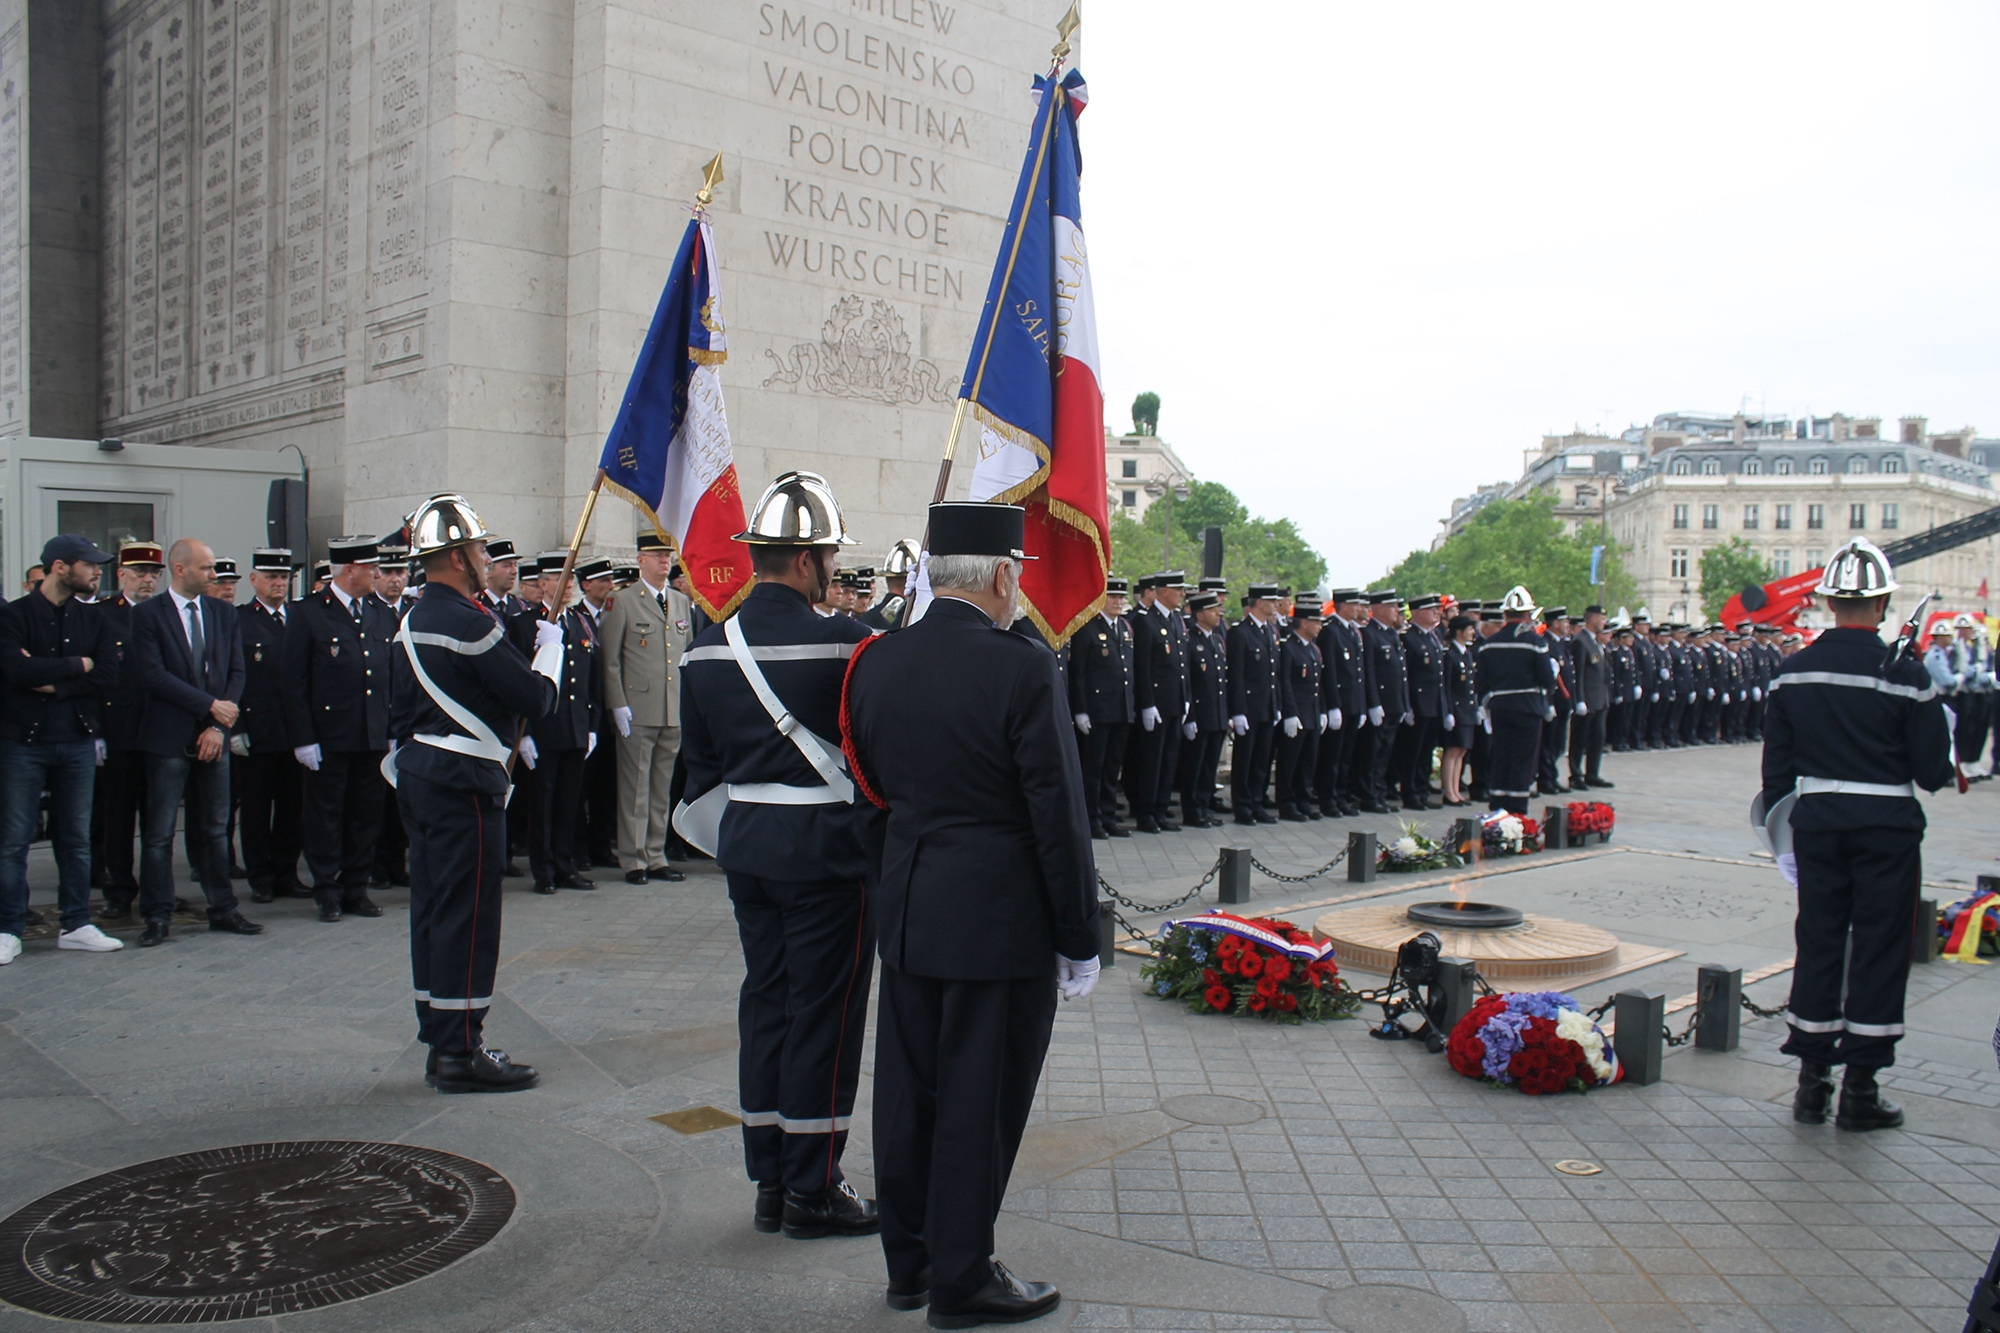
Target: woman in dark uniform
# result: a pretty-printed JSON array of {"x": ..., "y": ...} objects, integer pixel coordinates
[{"x": 1462, "y": 701}]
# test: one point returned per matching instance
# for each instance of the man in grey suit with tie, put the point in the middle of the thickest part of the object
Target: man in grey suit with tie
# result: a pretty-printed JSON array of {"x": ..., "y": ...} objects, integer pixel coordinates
[
  {"x": 643, "y": 634},
  {"x": 189, "y": 652}
]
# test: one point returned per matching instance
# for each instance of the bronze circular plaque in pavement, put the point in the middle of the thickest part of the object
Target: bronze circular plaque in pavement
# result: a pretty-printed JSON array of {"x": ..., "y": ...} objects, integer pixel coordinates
[{"x": 237, "y": 1233}]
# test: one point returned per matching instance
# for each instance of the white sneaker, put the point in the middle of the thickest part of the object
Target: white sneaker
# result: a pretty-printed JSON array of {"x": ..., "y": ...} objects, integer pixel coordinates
[
  {"x": 10, "y": 949},
  {"x": 88, "y": 938}
]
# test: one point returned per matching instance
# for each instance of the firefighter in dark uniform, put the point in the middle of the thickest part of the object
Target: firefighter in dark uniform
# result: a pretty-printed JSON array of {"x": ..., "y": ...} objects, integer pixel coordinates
[
  {"x": 1387, "y": 697},
  {"x": 1691, "y": 679},
  {"x": 1342, "y": 682},
  {"x": 1515, "y": 675},
  {"x": 956, "y": 728},
  {"x": 1562, "y": 699},
  {"x": 1491, "y": 621},
  {"x": 1253, "y": 704},
  {"x": 392, "y": 844},
  {"x": 1623, "y": 665},
  {"x": 1101, "y": 705},
  {"x": 1161, "y": 641},
  {"x": 896, "y": 567},
  {"x": 1645, "y": 683},
  {"x": 769, "y": 798},
  {"x": 1141, "y": 769},
  {"x": 337, "y": 687},
  {"x": 1590, "y": 706},
  {"x": 1423, "y": 667},
  {"x": 461, "y": 688},
  {"x": 556, "y": 747},
  {"x": 121, "y": 779},
  {"x": 1207, "y": 724},
  {"x": 600, "y": 768},
  {"x": 1301, "y": 710},
  {"x": 264, "y": 777},
  {"x": 1853, "y": 731}
]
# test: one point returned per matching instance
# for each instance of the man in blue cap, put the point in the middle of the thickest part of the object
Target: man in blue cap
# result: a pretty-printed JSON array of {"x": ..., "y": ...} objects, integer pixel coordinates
[{"x": 58, "y": 657}]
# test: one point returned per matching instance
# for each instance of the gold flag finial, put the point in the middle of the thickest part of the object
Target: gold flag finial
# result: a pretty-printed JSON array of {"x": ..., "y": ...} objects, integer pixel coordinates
[
  {"x": 711, "y": 176},
  {"x": 1067, "y": 28}
]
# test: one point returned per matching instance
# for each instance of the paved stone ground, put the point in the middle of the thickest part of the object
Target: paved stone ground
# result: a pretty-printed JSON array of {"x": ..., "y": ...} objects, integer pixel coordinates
[{"x": 1183, "y": 1172}]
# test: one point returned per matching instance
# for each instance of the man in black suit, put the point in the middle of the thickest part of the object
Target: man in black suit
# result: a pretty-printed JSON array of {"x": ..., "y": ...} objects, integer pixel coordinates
[
  {"x": 190, "y": 654},
  {"x": 262, "y": 771},
  {"x": 956, "y": 728},
  {"x": 1102, "y": 705},
  {"x": 337, "y": 683}
]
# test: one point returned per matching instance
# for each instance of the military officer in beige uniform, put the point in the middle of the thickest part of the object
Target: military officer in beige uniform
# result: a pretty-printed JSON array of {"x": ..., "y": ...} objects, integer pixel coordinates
[{"x": 644, "y": 633}]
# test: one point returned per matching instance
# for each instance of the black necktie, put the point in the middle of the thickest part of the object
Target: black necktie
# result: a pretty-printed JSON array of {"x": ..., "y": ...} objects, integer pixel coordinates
[
  {"x": 662, "y": 599},
  {"x": 196, "y": 639}
]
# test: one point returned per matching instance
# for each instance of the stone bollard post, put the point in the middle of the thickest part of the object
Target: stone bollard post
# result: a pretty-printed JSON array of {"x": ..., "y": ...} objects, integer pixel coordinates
[
  {"x": 1232, "y": 882},
  {"x": 1639, "y": 1038},
  {"x": 1718, "y": 1006},
  {"x": 1361, "y": 856},
  {"x": 1453, "y": 993},
  {"x": 1924, "y": 942},
  {"x": 1555, "y": 827},
  {"x": 1468, "y": 839},
  {"x": 1107, "y": 934}
]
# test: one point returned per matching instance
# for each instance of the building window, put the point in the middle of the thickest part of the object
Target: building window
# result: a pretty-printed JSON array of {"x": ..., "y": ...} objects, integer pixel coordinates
[
  {"x": 1677, "y": 563},
  {"x": 1857, "y": 464},
  {"x": 1892, "y": 516},
  {"x": 1857, "y": 517},
  {"x": 1896, "y": 464},
  {"x": 1131, "y": 499},
  {"x": 1781, "y": 561},
  {"x": 1817, "y": 467},
  {"x": 1753, "y": 467},
  {"x": 1815, "y": 516},
  {"x": 1815, "y": 559},
  {"x": 1782, "y": 468},
  {"x": 1781, "y": 516},
  {"x": 1680, "y": 516},
  {"x": 1750, "y": 515},
  {"x": 1711, "y": 517},
  {"x": 1129, "y": 468},
  {"x": 1683, "y": 468},
  {"x": 1711, "y": 467}
]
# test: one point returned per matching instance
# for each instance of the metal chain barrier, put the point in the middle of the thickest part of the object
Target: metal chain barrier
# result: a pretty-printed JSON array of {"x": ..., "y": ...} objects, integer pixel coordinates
[
  {"x": 1760, "y": 1010},
  {"x": 1149, "y": 909},
  {"x": 1686, "y": 1033},
  {"x": 1306, "y": 878}
]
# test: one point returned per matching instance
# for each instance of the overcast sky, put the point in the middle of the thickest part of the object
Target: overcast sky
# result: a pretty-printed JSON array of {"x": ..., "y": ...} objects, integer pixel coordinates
[{"x": 1367, "y": 253}]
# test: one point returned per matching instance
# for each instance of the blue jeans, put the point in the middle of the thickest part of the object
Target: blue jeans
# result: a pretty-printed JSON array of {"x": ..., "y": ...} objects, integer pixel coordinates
[
  {"x": 67, "y": 771},
  {"x": 206, "y": 786}
]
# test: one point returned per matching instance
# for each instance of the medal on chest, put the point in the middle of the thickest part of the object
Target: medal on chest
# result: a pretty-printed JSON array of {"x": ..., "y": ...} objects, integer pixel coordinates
[{"x": 333, "y": 649}]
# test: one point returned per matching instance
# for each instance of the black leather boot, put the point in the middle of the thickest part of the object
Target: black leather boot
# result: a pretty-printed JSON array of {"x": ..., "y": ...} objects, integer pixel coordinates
[
  {"x": 1815, "y": 1091},
  {"x": 1862, "y": 1105},
  {"x": 483, "y": 1071},
  {"x": 838, "y": 1211},
  {"x": 770, "y": 1206}
]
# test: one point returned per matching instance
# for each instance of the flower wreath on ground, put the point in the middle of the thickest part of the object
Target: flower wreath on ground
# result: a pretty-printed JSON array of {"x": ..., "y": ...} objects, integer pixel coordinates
[
  {"x": 1504, "y": 834},
  {"x": 1590, "y": 817},
  {"x": 1218, "y": 963},
  {"x": 1415, "y": 851},
  {"x": 1537, "y": 1041}
]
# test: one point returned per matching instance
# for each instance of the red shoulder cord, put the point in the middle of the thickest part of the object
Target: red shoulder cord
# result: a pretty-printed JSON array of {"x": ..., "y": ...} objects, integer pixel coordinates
[{"x": 847, "y": 722}]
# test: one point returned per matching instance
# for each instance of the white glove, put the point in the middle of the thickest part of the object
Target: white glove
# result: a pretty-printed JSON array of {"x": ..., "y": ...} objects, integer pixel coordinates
[
  {"x": 239, "y": 745},
  {"x": 103, "y": 752},
  {"x": 546, "y": 633},
  {"x": 1240, "y": 725},
  {"x": 1638, "y": 693},
  {"x": 1725, "y": 696},
  {"x": 528, "y": 752},
  {"x": 1409, "y": 719},
  {"x": 1291, "y": 727},
  {"x": 1711, "y": 692},
  {"x": 1083, "y": 723},
  {"x": 1375, "y": 716},
  {"x": 622, "y": 719},
  {"x": 1666, "y": 673},
  {"x": 1188, "y": 729},
  {"x": 1450, "y": 722},
  {"x": 1756, "y": 694},
  {"x": 1149, "y": 718},
  {"x": 590, "y": 746},
  {"x": 1656, "y": 696},
  {"x": 1333, "y": 719},
  {"x": 1788, "y": 866},
  {"x": 1324, "y": 722},
  {"x": 1076, "y": 977},
  {"x": 307, "y": 755},
  {"x": 1581, "y": 708}
]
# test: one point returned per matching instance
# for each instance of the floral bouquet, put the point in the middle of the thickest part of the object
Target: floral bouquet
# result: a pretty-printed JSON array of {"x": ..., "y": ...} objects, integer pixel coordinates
[
  {"x": 1414, "y": 851},
  {"x": 1537, "y": 1041},
  {"x": 1590, "y": 817},
  {"x": 1221, "y": 964},
  {"x": 1502, "y": 833}
]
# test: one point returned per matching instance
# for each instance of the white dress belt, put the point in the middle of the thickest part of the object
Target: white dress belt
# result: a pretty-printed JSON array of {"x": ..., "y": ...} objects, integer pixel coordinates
[
  {"x": 1841, "y": 787},
  {"x": 778, "y": 793}
]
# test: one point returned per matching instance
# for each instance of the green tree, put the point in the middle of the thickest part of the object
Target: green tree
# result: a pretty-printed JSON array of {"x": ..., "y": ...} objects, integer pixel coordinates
[
  {"x": 1727, "y": 570},
  {"x": 1146, "y": 414},
  {"x": 1518, "y": 541},
  {"x": 1253, "y": 549}
]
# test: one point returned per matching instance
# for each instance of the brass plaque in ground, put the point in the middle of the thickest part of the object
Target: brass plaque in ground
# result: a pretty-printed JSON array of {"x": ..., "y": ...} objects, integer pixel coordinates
[
  {"x": 695, "y": 1120},
  {"x": 239, "y": 1233}
]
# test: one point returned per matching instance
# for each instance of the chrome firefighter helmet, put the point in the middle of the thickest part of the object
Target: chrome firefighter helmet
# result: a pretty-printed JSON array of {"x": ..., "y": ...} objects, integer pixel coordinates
[
  {"x": 901, "y": 560},
  {"x": 442, "y": 522},
  {"x": 1518, "y": 598},
  {"x": 797, "y": 509},
  {"x": 1857, "y": 569},
  {"x": 1963, "y": 620}
]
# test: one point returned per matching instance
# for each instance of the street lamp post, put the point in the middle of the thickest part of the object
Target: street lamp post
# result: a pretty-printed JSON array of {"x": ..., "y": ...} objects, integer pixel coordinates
[{"x": 1174, "y": 487}]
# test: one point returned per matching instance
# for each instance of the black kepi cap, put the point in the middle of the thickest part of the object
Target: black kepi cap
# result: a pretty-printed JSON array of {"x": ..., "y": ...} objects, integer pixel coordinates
[
  {"x": 500, "y": 548},
  {"x": 650, "y": 540},
  {"x": 596, "y": 568},
  {"x": 1116, "y": 587},
  {"x": 1381, "y": 596},
  {"x": 353, "y": 551},
  {"x": 1202, "y": 601},
  {"x": 968, "y": 528},
  {"x": 225, "y": 570},
  {"x": 271, "y": 560},
  {"x": 1424, "y": 602}
]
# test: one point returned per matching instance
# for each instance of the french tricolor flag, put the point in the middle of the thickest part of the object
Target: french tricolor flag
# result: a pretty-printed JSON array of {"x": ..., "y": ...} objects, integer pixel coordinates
[
  {"x": 1033, "y": 382},
  {"x": 669, "y": 452}
]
